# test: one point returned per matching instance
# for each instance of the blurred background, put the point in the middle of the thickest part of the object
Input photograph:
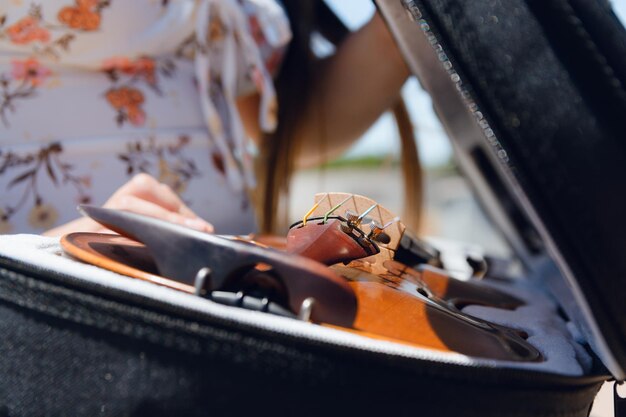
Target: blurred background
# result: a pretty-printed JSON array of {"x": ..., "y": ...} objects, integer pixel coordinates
[{"x": 371, "y": 168}]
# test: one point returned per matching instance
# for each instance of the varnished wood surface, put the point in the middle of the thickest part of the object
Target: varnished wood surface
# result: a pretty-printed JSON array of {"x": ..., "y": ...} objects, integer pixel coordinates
[
  {"x": 358, "y": 204},
  {"x": 387, "y": 312},
  {"x": 327, "y": 243},
  {"x": 118, "y": 254},
  {"x": 400, "y": 303},
  {"x": 389, "y": 303}
]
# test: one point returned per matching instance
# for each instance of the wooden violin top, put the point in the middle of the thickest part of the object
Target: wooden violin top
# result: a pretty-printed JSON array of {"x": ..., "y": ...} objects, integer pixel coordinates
[
  {"x": 401, "y": 303},
  {"x": 364, "y": 291}
]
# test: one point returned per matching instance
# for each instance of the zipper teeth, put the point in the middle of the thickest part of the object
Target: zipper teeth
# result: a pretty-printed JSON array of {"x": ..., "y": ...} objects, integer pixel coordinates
[
  {"x": 436, "y": 365},
  {"x": 417, "y": 16}
]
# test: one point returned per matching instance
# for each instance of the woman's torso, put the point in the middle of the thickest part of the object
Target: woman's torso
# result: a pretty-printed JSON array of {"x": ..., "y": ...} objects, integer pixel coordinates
[{"x": 95, "y": 91}]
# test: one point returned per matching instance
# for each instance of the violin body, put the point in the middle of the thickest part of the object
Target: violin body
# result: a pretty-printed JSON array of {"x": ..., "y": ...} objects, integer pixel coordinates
[
  {"x": 399, "y": 309},
  {"x": 399, "y": 303},
  {"x": 347, "y": 276}
]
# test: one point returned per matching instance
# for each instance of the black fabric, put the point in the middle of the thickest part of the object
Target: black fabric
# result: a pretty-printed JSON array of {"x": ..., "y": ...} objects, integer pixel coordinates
[
  {"x": 71, "y": 352},
  {"x": 549, "y": 76}
]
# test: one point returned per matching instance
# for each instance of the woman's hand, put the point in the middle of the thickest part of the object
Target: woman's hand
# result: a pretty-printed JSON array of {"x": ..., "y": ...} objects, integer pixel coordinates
[{"x": 143, "y": 194}]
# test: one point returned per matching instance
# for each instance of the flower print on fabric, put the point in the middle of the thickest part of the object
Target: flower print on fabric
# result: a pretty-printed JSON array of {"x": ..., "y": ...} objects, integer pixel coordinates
[
  {"x": 128, "y": 76},
  {"x": 5, "y": 224},
  {"x": 56, "y": 64},
  {"x": 142, "y": 68},
  {"x": 43, "y": 216},
  {"x": 45, "y": 38},
  {"x": 84, "y": 15},
  {"x": 165, "y": 162},
  {"x": 29, "y": 72},
  {"x": 24, "y": 171},
  {"x": 127, "y": 101},
  {"x": 27, "y": 30},
  {"x": 49, "y": 35},
  {"x": 21, "y": 83}
]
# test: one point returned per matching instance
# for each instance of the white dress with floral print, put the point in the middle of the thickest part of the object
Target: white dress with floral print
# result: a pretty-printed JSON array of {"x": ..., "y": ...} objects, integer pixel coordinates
[{"x": 95, "y": 91}]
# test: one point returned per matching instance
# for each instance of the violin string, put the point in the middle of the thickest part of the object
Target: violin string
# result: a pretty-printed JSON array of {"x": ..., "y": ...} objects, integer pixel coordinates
[
  {"x": 306, "y": 216},
  {"x": 365, "y": 213},
  {"x": 315, "y": 206},
  {"x": 332, "y": 210},
  {"x": 392, "y": 221}
]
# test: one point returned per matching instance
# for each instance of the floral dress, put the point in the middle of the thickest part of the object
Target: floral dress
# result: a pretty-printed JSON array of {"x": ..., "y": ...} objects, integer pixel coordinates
[{"x": 93, "y": 92}]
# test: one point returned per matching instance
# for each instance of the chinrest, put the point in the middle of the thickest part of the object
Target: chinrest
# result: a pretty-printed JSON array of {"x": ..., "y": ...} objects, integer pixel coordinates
[{"x": 180, "y": 253}]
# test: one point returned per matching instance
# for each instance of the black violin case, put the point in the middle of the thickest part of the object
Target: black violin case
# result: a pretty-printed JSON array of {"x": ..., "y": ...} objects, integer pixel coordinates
[{"x": 532, "y": 93}]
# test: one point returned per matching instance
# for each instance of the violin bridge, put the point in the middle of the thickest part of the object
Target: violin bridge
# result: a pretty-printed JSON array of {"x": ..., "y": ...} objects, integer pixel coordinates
[{"x": 393, "y": 228}]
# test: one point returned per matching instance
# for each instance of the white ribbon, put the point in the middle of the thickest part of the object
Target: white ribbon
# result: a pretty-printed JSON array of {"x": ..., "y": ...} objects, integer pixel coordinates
[{"x": 226, "y": 128}]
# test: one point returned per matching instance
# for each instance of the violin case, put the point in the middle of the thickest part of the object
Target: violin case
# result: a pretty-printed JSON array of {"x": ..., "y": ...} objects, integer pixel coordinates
[{"x": 532, "y": 94}]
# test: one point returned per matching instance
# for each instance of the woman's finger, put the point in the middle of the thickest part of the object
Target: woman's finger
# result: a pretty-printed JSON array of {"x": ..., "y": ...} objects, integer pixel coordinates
[
  {"x": 140, "y": 206},
  {"x": 149, "y": 189}
]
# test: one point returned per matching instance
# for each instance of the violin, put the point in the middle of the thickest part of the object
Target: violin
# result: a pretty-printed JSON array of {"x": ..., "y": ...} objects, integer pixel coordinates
[
  {"x": 416, "y": 306},
  {"x": 336, "y": 269},
  {"x": 387, "y": 246}
]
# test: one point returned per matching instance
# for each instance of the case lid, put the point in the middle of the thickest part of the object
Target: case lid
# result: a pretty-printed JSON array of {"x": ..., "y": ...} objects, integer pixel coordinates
[{"x": 532, "y": 94}]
